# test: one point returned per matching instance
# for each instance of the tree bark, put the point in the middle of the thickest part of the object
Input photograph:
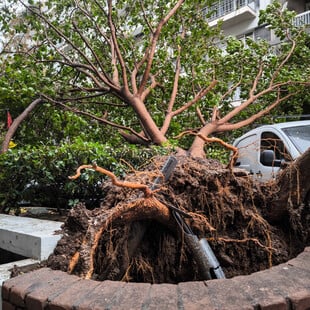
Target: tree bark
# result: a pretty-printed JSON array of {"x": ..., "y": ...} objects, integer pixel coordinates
[
  {"x": 150, "y": 129},
  {"x": 17, "y": 121},
  {"x": 197, "y": 147},
  {"x": 293, "y": 185}
]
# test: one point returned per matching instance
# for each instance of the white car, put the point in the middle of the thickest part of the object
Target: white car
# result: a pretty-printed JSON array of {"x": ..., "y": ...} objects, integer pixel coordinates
[{"x": 264, "y": 150}]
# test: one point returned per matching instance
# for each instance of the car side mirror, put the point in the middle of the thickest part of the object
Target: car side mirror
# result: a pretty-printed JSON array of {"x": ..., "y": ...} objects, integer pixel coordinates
[{"x": 267, "y": 158}]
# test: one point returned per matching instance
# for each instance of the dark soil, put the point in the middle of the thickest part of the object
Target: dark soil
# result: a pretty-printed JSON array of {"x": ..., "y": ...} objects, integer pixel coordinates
[{"x": 136, "y": 239}]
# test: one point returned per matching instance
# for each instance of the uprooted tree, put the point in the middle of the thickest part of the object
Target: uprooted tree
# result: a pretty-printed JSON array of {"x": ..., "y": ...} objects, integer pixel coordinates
[
  {"x": 150, "y": 75},
  {"x": 154, "y": 70}
]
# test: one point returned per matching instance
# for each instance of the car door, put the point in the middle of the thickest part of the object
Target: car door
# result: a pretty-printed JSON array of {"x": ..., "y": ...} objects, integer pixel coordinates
[{"x": 271, "y": 141}]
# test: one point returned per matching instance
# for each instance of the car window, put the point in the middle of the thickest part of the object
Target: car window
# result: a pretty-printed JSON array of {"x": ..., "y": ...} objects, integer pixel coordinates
[
  {"x": 300, "y": 136},
  {"x": 271, "y": 141}
]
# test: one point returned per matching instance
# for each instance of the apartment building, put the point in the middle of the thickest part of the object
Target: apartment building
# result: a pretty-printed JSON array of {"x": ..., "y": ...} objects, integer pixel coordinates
[{"x": 240, "y": 17}]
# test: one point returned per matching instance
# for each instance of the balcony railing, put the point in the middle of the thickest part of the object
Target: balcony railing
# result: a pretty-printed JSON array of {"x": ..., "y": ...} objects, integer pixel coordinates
[
  {"x": 302, "y": 19},
  {"x": 224, "y": 7}
]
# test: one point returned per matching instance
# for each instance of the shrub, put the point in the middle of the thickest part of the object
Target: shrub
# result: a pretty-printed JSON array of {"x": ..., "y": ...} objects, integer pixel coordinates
[{"x": 39, "y": 175}]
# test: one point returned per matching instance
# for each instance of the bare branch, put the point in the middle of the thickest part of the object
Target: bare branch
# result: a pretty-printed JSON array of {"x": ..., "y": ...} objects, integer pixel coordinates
[
  {"x": 250, "y": 100},
  {"x": 251, "y": 119},
  {"x": 285, "y": 60},
  {"x": 136, "y": 70},
  {"x": 154, "y": 83},
  {"x": 63, "y": 36},
  {"x": 106, "y": 79},
  {"x": 232, "y": 88},
  {"x": 116, "y": 46},
  {"x": 107, "y": 40},
  {"x": 200, "y": 116},
  {"x": 197, "y": 97},
  {"x": 256, "y": 80},
  {"x": 17, "y": 121},
  {"x": 176, "y": 77},
  {"x": 145, "y": 17},
  {"x": 83, "y": 68},
  {"x": 215, "y": 114},
  {"x": 100, "y": 119},
  {"x": 155, "y": 38}
]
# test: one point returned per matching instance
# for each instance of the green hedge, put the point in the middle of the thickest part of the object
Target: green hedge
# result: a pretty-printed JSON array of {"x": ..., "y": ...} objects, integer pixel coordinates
[{"x": 39, "y": 175}]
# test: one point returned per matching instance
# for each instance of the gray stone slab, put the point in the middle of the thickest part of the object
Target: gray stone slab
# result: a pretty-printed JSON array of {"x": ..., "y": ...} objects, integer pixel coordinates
[{"x": 33, "y": 238}]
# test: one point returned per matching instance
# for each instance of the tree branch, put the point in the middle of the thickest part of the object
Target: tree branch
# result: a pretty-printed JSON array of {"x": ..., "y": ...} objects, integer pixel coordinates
[
  {"x": 116, "y": 46},
  {"x": 155, "y": 38},
  {"x": 17, "y": 121},
  {"x": 100, "y": 119},
  {"x": 146, "y": 189},
  {"x": 197, "y": 97},
  {"x": 253, "y": 118}
]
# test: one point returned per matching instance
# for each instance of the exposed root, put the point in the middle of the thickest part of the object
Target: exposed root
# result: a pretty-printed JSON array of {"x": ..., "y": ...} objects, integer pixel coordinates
[
  {"x": 146, "y": 190},
  {"x": 215, "y": 140},
  {"x": 255, "y": 240},
  {"x": 202, "y": 220},
  {"x": 257, "y": 219},
  {"x": 226, "y": 209},
  {"x": 142, "y": 208}
]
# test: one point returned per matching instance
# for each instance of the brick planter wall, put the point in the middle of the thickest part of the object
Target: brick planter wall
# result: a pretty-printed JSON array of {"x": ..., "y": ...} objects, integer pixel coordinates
[{"x": 286, "y": 286}]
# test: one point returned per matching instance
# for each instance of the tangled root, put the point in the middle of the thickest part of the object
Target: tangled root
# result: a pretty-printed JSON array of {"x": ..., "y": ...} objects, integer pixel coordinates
[{"x": 223, "y": 208}]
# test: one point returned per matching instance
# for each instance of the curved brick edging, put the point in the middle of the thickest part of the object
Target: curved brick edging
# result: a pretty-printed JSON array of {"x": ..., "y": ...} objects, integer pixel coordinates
[{"x": 286, "y": 286}]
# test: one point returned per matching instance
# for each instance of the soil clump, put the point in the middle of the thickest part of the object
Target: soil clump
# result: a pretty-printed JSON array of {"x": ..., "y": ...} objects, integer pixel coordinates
[{"x": 135, "y": 238}]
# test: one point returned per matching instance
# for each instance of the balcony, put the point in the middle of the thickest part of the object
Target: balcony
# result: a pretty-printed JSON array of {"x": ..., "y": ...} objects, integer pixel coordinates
[
  {"x": 302, "y": 19},
  {"x": 231, "y": 11}
]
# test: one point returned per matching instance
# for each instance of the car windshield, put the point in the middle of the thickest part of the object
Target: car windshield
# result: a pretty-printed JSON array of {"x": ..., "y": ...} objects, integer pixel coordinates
[{"x": 300, "y": 136}]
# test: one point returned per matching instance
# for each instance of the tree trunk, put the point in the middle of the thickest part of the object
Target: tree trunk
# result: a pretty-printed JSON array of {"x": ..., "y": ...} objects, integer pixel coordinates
[
  {"x": 197, "y": 147},
  {"x": 149, "y": 127},
  {"x": 294, "y": 187},
  {"x": 17, "y": 121}
]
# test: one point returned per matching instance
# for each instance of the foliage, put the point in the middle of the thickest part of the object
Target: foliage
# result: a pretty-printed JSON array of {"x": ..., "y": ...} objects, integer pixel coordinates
[
  {"x": 93, "y": 52},
  {"x": 100, "y": 66},
  {"x": 39, "y": 174}
]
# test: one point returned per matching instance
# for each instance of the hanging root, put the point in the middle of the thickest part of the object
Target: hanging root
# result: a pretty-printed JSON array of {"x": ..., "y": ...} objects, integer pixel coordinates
[
  {"x": 216, "y": 140},
  {"x": 198, "y": 218},
  {"x": 143, "y": 208},
  {"x": 225, "y": 144},
  {"x": 144, "y": 188}
]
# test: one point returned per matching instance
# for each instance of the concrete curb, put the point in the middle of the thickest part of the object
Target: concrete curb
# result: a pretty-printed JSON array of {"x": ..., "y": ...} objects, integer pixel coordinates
[
  {"x": 286, "y": 286},
  {"x": 29, "y": 237}
]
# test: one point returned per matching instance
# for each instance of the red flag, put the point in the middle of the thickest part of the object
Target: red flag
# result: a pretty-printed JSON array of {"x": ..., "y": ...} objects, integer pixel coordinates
[{"x": 9, "y": 120}]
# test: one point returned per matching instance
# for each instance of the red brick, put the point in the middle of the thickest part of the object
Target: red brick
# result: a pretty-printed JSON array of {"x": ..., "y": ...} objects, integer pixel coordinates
[
  {"x": 301, "y": 261},
  {"x": 5, "y": 291},
  {"x": 300, "y": 300},
  {"x": 276, "y": 304},
  {"x": 15, "y": 289},
  {"x": 44, "y": 289},
  {"x": 276, "y": 288},
  {"x": 101, "y": 297},
  {"x": 194, "y": 295},
  {"x": 130, "y": 296},
  {"x": 162, "y": 296},
  {"x": 7, "y": 306},
  {"x": 216, "y": 294},
  {"x": 71, "y": 296}
]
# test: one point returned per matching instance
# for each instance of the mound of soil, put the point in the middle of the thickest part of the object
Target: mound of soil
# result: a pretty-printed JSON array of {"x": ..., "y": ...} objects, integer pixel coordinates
[{"x": 136, "y": 238}]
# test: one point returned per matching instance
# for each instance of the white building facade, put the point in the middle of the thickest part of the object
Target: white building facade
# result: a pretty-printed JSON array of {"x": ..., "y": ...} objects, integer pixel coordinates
[{"x": 240, "y": 17}]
